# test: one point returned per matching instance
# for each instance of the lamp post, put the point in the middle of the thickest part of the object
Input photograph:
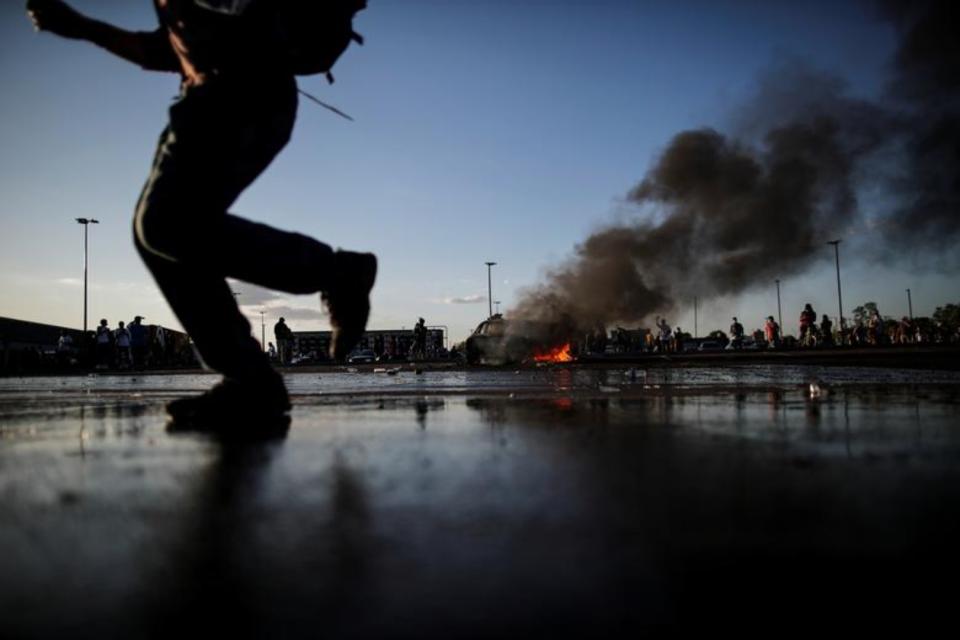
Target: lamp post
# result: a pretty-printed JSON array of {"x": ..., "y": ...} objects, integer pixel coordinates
[
  {"x": 86, "y": 222},
  {"x": 696, "y": 332},
  {"x": 779, "y": 310},
  {"x": 910, "y": 304},
  {"x": 263, "y": 331},
  {"x": 836, "y": 249},
  {"x": 489, "y": 290}
]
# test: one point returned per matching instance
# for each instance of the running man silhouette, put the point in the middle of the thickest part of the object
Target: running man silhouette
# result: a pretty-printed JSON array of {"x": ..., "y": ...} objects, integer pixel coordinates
[{"x": 235, "y": 112}]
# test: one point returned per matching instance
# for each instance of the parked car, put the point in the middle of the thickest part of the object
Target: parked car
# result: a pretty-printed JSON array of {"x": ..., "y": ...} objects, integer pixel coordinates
[
  {"x": 363, "y": 356},
  {"x": 710, "y": 346},
  {"x": 746, "y": 344},
  {"x": 689, "y": 346}
]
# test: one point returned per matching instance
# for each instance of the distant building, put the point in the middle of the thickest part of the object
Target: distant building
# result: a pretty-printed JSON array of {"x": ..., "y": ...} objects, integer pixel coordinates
[
  {"x": 30, "y": 347},
  {"x": 392, "y": 343},
  {"x": 17, "y": 335}
]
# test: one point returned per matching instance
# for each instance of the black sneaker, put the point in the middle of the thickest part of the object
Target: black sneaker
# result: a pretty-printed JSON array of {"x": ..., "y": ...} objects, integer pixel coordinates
[
  {"x": 233, "y": 409},
  {"x": 348, "y": 300}
]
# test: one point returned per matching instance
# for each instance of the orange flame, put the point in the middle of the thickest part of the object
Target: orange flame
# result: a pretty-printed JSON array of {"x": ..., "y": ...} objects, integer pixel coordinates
[{"x": 557, "y": 354}]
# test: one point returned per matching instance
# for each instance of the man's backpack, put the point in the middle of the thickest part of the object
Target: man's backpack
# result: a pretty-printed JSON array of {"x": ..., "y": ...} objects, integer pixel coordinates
[
  {"x": 314, "y": 33},
  {"x": 310, "y": 35}
]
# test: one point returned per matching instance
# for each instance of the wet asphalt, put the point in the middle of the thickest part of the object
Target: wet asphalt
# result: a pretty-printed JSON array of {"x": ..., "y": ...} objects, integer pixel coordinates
[{"x": 608, "y": 508}]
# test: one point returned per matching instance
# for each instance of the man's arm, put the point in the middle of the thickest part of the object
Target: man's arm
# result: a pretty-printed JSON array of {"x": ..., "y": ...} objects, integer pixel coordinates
[{"x": 150, "y": 50}]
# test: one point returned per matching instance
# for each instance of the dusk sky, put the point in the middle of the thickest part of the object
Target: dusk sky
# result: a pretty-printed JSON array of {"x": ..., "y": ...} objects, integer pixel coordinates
[{"x": 484, "y": 130}]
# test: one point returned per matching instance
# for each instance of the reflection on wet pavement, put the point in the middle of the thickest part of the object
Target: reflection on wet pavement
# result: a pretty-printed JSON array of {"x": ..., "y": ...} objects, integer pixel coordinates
[
  {"x": 482, "y": 514},
  {"x": 340, "y": 381}
]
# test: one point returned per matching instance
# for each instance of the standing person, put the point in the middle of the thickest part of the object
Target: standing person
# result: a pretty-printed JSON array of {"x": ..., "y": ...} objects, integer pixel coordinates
[
  {"x": 284, "y": 337},
  {"x": 600, "y": 338},
  {"x": 138, "y": 342},
  {"x": 808, "y": 320},
  {"x": 736, "y": 334},
  {"x": 160, "y": 346},
  {"x": 676, "y": 344},
  {"x": 771, "y": 331},
  {"x": 826, "y": 331},
  {"x": 420, "y": 340},
  {"x": 665, "y": 332},
  {"x": 237, "y": 60},
  {"x": 905, "y": 331},
  {"x": 860, "y": 333},
  {"x": 104, "y": 345},
  {"x": 875, "y": 325},
  {"x": 64, "y": 348},
  {"x": 122, "y": 339}
]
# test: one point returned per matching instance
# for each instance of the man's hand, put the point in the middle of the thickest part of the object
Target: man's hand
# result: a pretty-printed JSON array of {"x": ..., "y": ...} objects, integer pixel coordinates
[
  {"x": 57, "y": 17},
  {"x": 149, "y": 49}
]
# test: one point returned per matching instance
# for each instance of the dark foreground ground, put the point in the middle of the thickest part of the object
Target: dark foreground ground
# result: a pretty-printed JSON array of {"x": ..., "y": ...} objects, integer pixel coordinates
[{"x": 485, "y": 508}]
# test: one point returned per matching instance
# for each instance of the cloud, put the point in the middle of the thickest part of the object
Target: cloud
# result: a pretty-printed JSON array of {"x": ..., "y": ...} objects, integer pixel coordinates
[
  {"x": 253, "y": 299},
  {"x": 251, "y": 294},
  {"x": 100, "y": 285},
  {"x": 281, "y": 307},
  {"x": 474, "y": 299},
  {"x": 292, "y": 313}
]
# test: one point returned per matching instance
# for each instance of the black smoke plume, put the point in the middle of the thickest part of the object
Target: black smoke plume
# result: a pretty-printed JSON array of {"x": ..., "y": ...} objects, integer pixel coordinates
[
  {"x": 925, "y": 84},
  {"x": 718, "y": 214}
]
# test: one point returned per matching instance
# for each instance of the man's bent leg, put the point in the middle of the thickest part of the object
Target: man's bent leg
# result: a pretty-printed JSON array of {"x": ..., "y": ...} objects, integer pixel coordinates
[
  {"x": 209, "y": 153},
  {"x": 205, "y": 306},
  {"x": 181, "y": 216},
  {"x": 252, "y": 398},
  {"x": 205, "y": 157}
]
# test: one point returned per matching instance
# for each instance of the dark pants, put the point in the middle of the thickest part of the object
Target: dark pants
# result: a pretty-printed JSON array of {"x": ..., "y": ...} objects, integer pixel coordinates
[
  {"x": 221, "y": 136},
  {"x": 283, "y": 350}
]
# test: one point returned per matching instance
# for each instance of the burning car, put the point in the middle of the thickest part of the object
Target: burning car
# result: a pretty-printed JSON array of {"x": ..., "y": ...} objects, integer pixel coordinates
[{"x": 497, "y": 341}]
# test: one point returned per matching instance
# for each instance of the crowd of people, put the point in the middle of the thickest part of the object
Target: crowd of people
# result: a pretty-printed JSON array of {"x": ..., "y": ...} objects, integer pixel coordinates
[
  {"x": 867, "y": 328},
  {"x": 870, "y": 329},
  {"x": 135, "y": 346},
  {"x": 130, "y": 346}
]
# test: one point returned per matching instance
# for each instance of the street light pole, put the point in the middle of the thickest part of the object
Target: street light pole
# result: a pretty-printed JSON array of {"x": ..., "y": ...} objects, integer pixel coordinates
[
  {"x": 263, "y": 332},
  {"x": 86, "y": 222},
  {"x": 489, "y": 290},
  {"x": 836, "y": 249},
  {"x": 910, "y": 304},
  {"x": 779, "y": 310},
  {"x": 696, "y": 332}
]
